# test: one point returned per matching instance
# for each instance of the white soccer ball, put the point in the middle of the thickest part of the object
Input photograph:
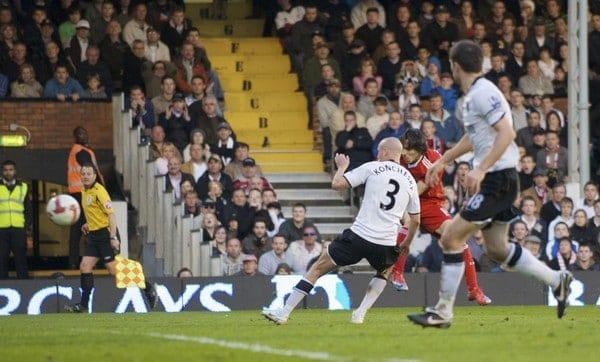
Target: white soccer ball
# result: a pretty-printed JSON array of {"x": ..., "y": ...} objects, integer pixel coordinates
[{"x": 63, "y": 210}]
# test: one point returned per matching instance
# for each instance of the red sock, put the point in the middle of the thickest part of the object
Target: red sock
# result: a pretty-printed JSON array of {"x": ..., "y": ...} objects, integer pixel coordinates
[
  {"x": 399, "y": 266},
  {"x": 470, "y": 273}
]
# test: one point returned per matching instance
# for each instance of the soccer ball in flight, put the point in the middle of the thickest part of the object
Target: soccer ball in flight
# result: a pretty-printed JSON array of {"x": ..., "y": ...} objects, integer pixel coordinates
[{"x": 63, "y": 210}]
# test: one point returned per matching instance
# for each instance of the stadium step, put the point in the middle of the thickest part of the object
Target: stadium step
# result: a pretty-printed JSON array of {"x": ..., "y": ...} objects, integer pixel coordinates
[
  {"x": 242, "y": 46},
  {"x": 274, "y": 139},
  {"x": 324, "y": 205},
  {"x": 200, "y": 10},
  {"x": 287, "y": 121},
  {"x": 265, "y": 102},
  {"x": 239, "y": 82},
  {"x": 230, "y": 27},
  {"x": 251, "y": 64}
]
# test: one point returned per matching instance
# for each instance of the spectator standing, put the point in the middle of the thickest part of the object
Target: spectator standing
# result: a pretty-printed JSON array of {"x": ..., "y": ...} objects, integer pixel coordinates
[
  {"x": 16, "y": 218},
  {"x": 81, "y": 153},
  {"x": 136, "y": 28},
  {"x": 354, "y": 141}
]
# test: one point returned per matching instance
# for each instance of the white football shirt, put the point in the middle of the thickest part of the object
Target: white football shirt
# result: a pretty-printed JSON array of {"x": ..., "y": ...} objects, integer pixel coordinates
[
  {"x": 390, "y": 190},
  {"x": 484, "y": 105}
]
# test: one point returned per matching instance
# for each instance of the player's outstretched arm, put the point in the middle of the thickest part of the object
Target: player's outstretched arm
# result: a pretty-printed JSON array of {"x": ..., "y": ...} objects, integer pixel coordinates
[
  {"x": 413, "y": 225},
  {"x": 463, "y": 146},
  {"x": 339, "y": 182}
]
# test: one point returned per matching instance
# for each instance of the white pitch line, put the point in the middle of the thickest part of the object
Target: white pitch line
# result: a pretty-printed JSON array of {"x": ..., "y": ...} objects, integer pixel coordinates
[{"x": 259, "y": 348}]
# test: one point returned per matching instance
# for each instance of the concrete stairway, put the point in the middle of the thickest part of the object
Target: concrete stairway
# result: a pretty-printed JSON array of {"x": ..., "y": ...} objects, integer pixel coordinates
[{"x": 324, "y": 205}]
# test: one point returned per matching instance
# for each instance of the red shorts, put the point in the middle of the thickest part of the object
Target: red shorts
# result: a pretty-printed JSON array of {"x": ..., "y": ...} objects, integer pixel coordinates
[{"x": 433, "y": 216}]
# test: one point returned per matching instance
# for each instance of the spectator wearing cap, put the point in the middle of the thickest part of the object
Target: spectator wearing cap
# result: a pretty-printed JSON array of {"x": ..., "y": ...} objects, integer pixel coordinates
[
  {"x": 326, "y": 106},
  {"x": 351, "y": 67},
  {"x": 175, "y": 177},
  {"x": 66, "y": 28},
  {"x": 301, "y": 38},
  {"x": 225, "y": 143},
  {"x": 214, "y": 172},
  {"x": 137, "y": 27},
  {"x": 538, "y": 39},
  {"x": 241, "y": 151},
  {"x": 249, "y": 171},
  {"x": 249, "y": 267},
  {"x": 48, "y": 34},
  {"x": 359, "y": 13},
  {"x": 177, "y": 122},
  {"x": 371, "y": 31},
  {"x": 155, "y": 49},
  {"x": 534, "y": 245},
  {"x": 79, "y": 43},
  {"x": 442, "y": 33},
  {"x": 528, "y": 17},
  {"x": 269, "y": 261}
]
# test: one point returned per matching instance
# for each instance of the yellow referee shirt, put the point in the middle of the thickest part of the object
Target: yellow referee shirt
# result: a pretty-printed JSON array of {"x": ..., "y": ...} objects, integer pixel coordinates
[{"x": 96, "y": 206}]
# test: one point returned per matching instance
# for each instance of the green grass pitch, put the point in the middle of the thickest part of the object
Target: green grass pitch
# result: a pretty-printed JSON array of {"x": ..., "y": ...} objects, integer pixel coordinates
[{"x": 478, "y": 334}]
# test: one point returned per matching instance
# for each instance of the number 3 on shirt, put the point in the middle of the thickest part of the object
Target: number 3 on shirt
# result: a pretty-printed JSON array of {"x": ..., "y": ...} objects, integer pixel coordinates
[{"x": 391, "y": 195}]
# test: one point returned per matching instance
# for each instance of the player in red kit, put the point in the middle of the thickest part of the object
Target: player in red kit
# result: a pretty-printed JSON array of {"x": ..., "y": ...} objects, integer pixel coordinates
[{"x": 418, "y": 158}]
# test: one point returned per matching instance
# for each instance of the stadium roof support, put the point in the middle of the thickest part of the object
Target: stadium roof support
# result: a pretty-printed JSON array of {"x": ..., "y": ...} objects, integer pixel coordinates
[{"x": 578, "y": 100}]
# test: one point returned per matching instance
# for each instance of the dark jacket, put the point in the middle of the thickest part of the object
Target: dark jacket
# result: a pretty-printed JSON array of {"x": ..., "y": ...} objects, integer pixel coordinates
[{"x": 360, "y": 151}]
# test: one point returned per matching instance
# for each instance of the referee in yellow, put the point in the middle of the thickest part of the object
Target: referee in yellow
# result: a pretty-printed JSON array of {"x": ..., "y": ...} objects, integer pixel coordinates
[{"x": 101, "y": 241}]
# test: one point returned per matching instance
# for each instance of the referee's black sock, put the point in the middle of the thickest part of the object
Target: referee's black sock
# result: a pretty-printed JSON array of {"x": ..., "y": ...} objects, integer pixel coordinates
[{"x": 87, "y": 284}]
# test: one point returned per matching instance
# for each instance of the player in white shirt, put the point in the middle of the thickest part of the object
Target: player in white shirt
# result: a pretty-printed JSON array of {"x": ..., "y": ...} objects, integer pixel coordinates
[
  {"x": 390, "y": 191},
  {"x": 494, "y": 184}
]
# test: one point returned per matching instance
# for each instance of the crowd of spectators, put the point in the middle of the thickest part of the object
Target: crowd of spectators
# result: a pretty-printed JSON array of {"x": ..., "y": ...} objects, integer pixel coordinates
[
  {"x": 366, "y": 68},
  {"x": 380, "y": 60}
]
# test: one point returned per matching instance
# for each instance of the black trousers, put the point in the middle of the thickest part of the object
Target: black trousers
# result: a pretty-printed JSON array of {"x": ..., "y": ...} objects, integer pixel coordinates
[{"x": 15, "y": 240}]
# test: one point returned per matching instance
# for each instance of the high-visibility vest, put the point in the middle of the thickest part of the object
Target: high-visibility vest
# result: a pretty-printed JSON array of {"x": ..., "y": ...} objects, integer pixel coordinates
[
  {"x": 74, "y": 168},
  {"x": 12, "y": 205}
]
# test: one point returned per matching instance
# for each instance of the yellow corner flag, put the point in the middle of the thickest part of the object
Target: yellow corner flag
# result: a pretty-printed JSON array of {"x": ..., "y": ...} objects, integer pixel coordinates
[{"x": 129, "y": 273}]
